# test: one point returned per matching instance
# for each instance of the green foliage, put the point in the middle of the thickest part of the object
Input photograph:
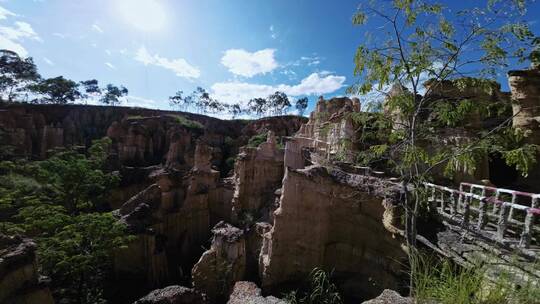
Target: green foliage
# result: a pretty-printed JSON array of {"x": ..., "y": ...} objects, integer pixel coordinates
[
  {"x": 321, "y": 291},
  {"x": 441, "y": 281},
  {"x": 113, "y": 94},
  {"x": 301, "y": 105},
  {"x": 188, "y": 123},
  {"x": 256, "y": 140},
  {"x": 57, "y": 202},
  {"x": 418, "y": 137},
  {"x": 58, "y": 90},
  {"x": 16, "y": 73}
]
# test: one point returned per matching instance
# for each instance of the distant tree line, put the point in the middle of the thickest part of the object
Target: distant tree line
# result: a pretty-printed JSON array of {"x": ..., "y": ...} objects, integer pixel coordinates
[
  {"x": 20, "y": 80},
  {"x": 20, "y": 77},
  {"x": 275, "y": 104}
]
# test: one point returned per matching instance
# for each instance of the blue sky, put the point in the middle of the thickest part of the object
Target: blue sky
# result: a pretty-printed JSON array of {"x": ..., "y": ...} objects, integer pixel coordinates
[{"x": 235, "y": 49}]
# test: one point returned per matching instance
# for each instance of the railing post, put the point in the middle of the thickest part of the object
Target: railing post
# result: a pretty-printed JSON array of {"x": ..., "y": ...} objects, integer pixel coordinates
[
  {"x": 453, "y": 203},
  {"x": 466, "y": 211},
  {"x": 443, "y": 203},
  {"x": 503, "y": 221},
  {"x": 460, "y": 199},
  {"x": 496, "y": 206},
  {"x": 525, "y": 240},
  {"x": 482, "y": 210}
]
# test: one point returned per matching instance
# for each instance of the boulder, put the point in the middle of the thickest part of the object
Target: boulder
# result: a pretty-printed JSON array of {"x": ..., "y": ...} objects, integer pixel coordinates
[
  {"x": 390, "y": 297},
  {"x": 20, "y": 282},
  {"x": 173, "y": 295},
  {"x": 249, "y": 293}
]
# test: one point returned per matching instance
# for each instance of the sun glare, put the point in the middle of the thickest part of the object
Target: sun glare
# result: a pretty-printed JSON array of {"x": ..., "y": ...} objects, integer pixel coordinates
[{"x": 144, "y": 15}]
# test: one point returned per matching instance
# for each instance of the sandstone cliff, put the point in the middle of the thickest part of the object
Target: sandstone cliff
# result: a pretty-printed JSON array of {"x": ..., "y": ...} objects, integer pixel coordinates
[{"x": 20, "y": 282}]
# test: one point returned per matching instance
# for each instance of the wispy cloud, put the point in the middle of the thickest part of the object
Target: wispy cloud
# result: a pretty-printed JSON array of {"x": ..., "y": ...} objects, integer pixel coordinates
[
  {"x": 4, "y": 13},
  {"x": 48, "y": 61},
  {"x": 247, "y": 64},
  {"x": 59, "y": 35},
  {"x": 273, "y": 33},
  {"x": 179, "y": 66},
  {"x": 314, "y": 84},
  {"x": 97, "y": 28},
  {"x": 313, "y": 60},
  {"x": 11, "y": 37},
  {"x": 110, "y": 65}
]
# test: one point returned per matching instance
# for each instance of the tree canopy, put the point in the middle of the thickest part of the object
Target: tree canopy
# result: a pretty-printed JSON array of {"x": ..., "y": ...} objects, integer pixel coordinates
[
  {"x": 417, "y": 41},
  {"x": 15, "y": 73}
]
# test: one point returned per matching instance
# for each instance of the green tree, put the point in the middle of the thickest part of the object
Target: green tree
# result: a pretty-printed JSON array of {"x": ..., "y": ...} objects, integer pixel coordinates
[
  {"x": 178, "y": 101},
  {"x": 278, "y": 103},
  {"x": 75, "y": 240},
  {"x": 57, "y": 90},
  {"x": 235, "y": 110},
  {"x": 91, "y": 89},
  {"x": 112, "y": 94},
  {"x": 15, "y": 73},
  {"x": 258, "y": 106},
  {"x": 301, "y": 105},
  {"x": 418, "y": 40}
]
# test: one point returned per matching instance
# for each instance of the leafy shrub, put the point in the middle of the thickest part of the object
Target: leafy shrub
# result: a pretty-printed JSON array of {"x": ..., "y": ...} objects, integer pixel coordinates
[
  {"x": 321, "y": 291},
  {"x": 441, "y": 281},
  {"x": 256, "y": 140},
  {"x": 188, "y": 123}
]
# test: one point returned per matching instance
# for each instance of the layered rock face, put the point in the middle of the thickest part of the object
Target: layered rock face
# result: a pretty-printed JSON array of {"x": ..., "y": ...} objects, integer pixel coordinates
[
  {"x": 20, "y": 281},
  {"x": 223, "y": 264},
  {"x": 172, "y": 220},
  {"x": 330, "y": 130},
  {"x": 249, "y": 293},
  {"x": 142, "y": 134},
  {"x": 173, "y": 295},
  {"x": 525, "y": 88},
  {"x": 325, "y": 221},
  {"x": 390, "y": 297},
  {"x": 257, "y": 175}
]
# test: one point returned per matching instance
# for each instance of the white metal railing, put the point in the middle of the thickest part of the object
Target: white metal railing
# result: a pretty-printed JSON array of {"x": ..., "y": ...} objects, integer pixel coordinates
[{"x": 507, "y": 215}]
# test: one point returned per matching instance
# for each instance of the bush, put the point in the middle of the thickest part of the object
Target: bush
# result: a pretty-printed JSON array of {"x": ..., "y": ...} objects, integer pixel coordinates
[
  {"x": 321, "y": 291},
  {"x": 256, "y": 140},
  {"x": 441, "y": 281},
  {"x": 188, "y": 123}
]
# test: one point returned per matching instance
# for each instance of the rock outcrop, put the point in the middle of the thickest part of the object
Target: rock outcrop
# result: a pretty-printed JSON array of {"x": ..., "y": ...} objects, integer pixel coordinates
[
  {"x": 172, "y": 221},
  {"x": 223, "y": 264},
  {"x": 257, "y": 175},
  {"x": 20, "y": 282},
  {"x": 173, "y": 295},
  {"x": 525, "y": 88},
  {"x": 248, "y": 293},
  {"x": 332, "y": 219},
  {"x": 330, "y": 130},
  {"x": 390, "y": 297}
]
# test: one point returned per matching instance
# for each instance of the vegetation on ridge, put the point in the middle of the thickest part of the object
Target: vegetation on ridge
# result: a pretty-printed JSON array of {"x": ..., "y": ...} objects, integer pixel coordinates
[
  {"x": 427, "y": 40},
  {"x": 59, "y": 202}
]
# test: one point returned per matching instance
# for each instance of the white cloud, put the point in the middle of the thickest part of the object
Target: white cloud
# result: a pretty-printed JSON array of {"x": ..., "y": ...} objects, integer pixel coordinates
[
  {"x": 179, "y": 66},
  {"x": 136, "y": 101},
  {"x": 11, "y": 36},
  {"x": 243, "y": 63},
  {"x": 96, "y": 28},
  {"x": 21, "y": 30},
  {"x": 129, "y": 101},
  {"x": 315, "y": 60},
  {"x": 314, "y": 84},
  {"x": 4, "y": 13},
  {"x": 59, "y": 35},
  {"x": 110, "y": 65},
  {"x": 48, "y": 61},
  {"x": 273, "y": 33}
]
